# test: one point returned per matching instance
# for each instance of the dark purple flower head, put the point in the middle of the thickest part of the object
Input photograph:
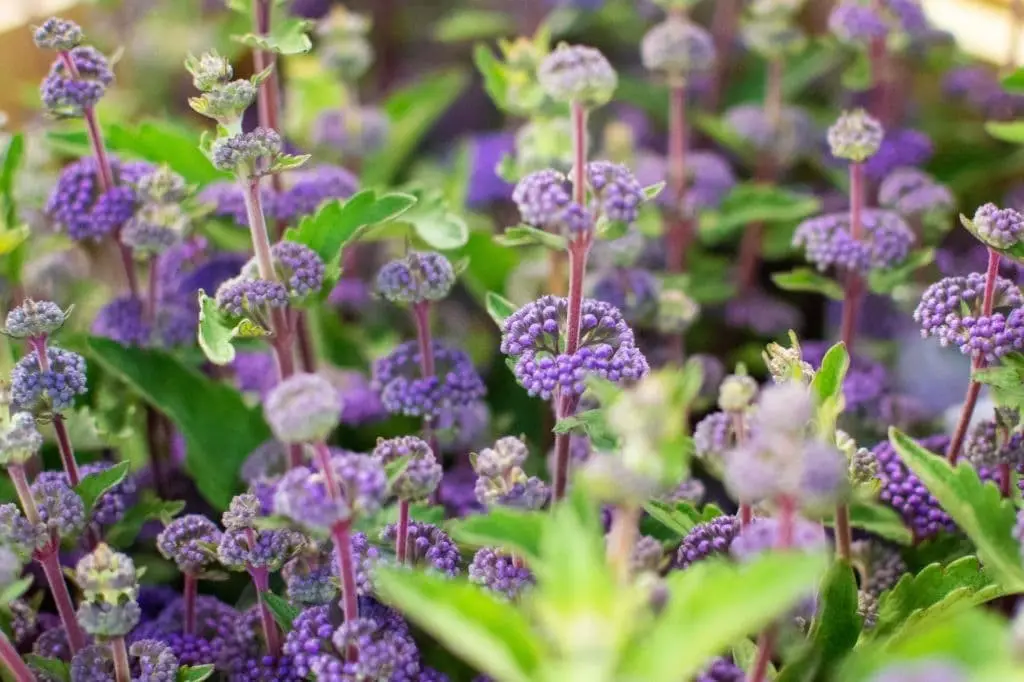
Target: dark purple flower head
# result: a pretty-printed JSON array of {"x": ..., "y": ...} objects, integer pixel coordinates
[
  {"x": 94, "y": 663},
  {"x": 366, "y": 557},
  {"x": 157, "y": 662},
  {"x": 308, "y": 577},
  {"x": 239, "y": 296},
  {"x": 1000, "y": 228},
  {"x": 457, "y": 491},
  {"x": 499, "y": 572},
  {"x": 882, "y": 565},
  {"x": 828, "y": 243},
  {"x": 109, "y": 508},
  {"x": 534, "y": 335},
  {"x": 421, "y": 473},
  {"x": 427, "y": 545},
  {"x": 722, "y": 670},
  {"x": 634, "y": 291},
  {"x": 123, "y": 320},
  {"x": 986, "y": 447},
  {"x": 33, "y": 319},
  {"x": 577, "y": 73},
  {"x": 70, "y": 94},
  {"x": 678, "y": 48},
  {"x": 460, "y": 429},
  {"x": 60, "y": 508},
  {"x": 912, "y": 192},
  {"x": 57, "y": 34},
  {"x": 251, "y": 154},
  {"x": 710, "y": 179},
  {"x": 418, "y": 277},
  {"x": 78, "y": 205},
  {"x": 299, "y": 267},
  {"x": 304, "y": 496},
  {"x": 313, "y": 187},
  {"x": 190, "y": 542},
  {"x": 53, "y": 643},
  {"x": 901, "y": 147},
  {"x": 403, "y": 389},
  {"x": 353, "y": 132},
  {"x": 922, "y": 671},
  {"x": 243, "y": 549},
  {"x": 854, "y": 22},
  {"x": 905, "y": 493},
  {"x": 544, "y": 200},
  {"x": 264, "y": 668},
  {"x": 856, "y": 136},
  {"x": 216, "y": 640},
  {"x": 706, "y": 539},
  {"x": 793, "y": 137},
  {"x": 228, "y": 201},
  {"x": 616, "y": 194}
]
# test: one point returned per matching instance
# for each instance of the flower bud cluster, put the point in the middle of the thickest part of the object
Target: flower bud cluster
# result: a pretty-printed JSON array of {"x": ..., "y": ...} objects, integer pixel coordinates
[
  {"x": 110, "y": 590},
  {"x": 223, "y": 99},
  {"x": 501, "y": 480},
  {"x": 344, "y": 44}
]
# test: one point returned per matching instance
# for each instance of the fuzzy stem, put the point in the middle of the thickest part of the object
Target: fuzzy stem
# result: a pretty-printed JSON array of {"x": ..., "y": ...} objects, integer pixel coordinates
[
  {"x": 346, "y": 568},
  {"x": 566, "y": 404},
  {"x": 854, "y": 289},
  {"x": 48, "y": 559},
  {"x": 99, "y": 151},
  {"x": 261, "y": 580},
  {"x": 67, "y": 452},
  {"x": 267, "y": 96},
  {"x": 621, "y": 540},
  {"x": 21, "y": 487},
  {"x": 579, "y": 153},
  {"x": 191, "y": 592},
  {"x": 12, "y": 661},
  {"x": 122, "y": 668},
  {"x": 678, "y": 227},
  {"x": 977, "y": 362},
  {"x": 402, "y": 536}
]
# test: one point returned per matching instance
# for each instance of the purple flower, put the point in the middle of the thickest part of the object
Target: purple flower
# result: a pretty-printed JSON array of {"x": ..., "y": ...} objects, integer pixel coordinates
[
  {"x": 905, "y": 493},
  {"x": 710, "y": 177},
  {"x": 309, "y": 577},
  {"x": 33, "y": 319},
  {"x": 404, "y": 390},
  {"x": 304, "y": 408},
  {"x": 856, "y": 136},
  {"x": 533, "y": 337},
  {"x": 265, "y": 668},
  {"x": 60, "y": 509},
  {"x": 352, "y": 132},
  {"x": 360, "y": 403},
  {"x": 94, "y": 663},
  {"x": 18, "y": 534},
  {"x": 457, "y": 491},
  {"x": 854, "y": 22},
  {"x": 299, "y": 267},
  {"x": 710, "y": 538},
  {"x": 421, "y": 473},
  {"x": 712, "y": 437},
  {"x": 255, "y": 372},
  {"x": 544, "y": 200},
  {"x": 616, "y": 194},
  {"x": 108, "y": 508},
  {"x": 485, "y": 185},
  {"x": 67, "y": 94},
  {"x": 228, "y": 201},
  {"x": 499, "y": 572},
  {"x": 419, "y": 277},
  {"x": 245, "y": 549},
  {"x": 982, "y": 90},
  {"x": 313, "y": 187},
  {"x": 722, "y": 670},
  {"x": 634, "y": 291},
  {"x": 1000, "y": 228},
  {"x": 57, "y": 387},
  {"x": 679, "y": 48},
  {"x": 427, "y": 545},
  {"x": 216, "y": 640},
  {"x": 912, "y": 192},
  {"x": 762, "y": 535},
  {"x": 252, "y": 153},
  {"x": 304, "y": 496},
  {"x": 883, "y": 566},
  {"x": 986, "y": 448},
  {"x": 57, "y": 34},
  {"x": 77, "y": 204},
  {"x": 460, "y": 429},
  {"x": 865, "y": 380},
  {"x": 366, "y": 556},
  {"x": 901, "y": 147},
  {"x": 577, "y": 73},
  {"x": 239, "y": 295},
  {"x": 827, "y": 241},
  {"x": 190, "y": 542}
]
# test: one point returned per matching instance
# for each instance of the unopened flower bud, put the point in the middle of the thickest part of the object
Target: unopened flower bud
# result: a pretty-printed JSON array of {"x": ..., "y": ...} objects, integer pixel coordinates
[
  {"x": 209, "y": 70},
  {"x": 577, "y": 73},
  {"x": 678, "y": 48},
  {"x": 856, "y": 136},
  {"x": 303, "y": 408},
  {"x": 737, "y": 392},
  {"x": 107, "y": 576},
  {"x": 34, "y": 319},
  {"x": 19, "y": 439},
  {"x": 57, "y": 34}
]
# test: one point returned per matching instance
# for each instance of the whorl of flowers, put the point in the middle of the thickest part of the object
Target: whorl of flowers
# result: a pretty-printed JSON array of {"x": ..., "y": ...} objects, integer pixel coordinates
[
  {"x": 248, "y": 154},
  {"x": 404, "y": 390},
  {"x": 421, "y": 472},
  {"x": 305, "y": 497},
  {"x": 706, "y": 539},
  {"x": 418, "y": 277},
  {"x": 856, "y": 136},
  {"x": 19, "y": 439},
  {"x": 912, "y": 192},
  {"x": 577, "y": 73},
  {"x": 828, "y": 242},
  {"x": 57, "y": 34},
  {"x": 304, "y": 408},
  {"x": 69, "y": 93},
  {"x": 678, "y": 48},
  {"x": 34, "y": 319},
  {"x": 544, "y": 200},
  {"x": 190, "y": 541},
  {"x": 501, "y": 480},
  {"x": 79, "y": 206},
  {"x": 499, "y": 572},
  {"x": 428, "y": 546},
  {"x": 996, "y": 227},
  {"x": 534, "y": 337},
  {"x": 988, "y": 445},
  {"x": 110, "y": 589}
]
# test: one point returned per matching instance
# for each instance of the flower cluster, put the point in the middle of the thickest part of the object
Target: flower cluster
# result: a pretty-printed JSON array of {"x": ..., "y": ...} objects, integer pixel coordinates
[
  {"x": 404, "y": 390},
  {"x": 577, "y": 73},
  {"x": 306, "y": 497},
  {"x": 912, "y": 193},
  {"x": 501, "y": 480},
  {"x": 82, "y": 207},
  {"x": 428, "y": 546},
  {"x": 420, "y": 471},
  {"x": 828, "y": 241},
  {"x": 500, "y": 572},
  {"x": 417, "y": 278}
]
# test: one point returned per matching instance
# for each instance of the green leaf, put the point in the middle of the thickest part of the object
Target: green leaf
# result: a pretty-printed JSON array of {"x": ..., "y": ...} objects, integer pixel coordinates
[
  {"x": 651, "y": 192},
  {"x": 976, "y": 507},
  {"x": 431, "y": 221},
  {"x": 513, "y": 530},
  {"x": 14, "y": 590},
  {"x": 412, "y": 111},
  {"x": 490, "y": 634},
  {"x": 337, "y": 223},
  {"x": 594, "y": 424},
  {"x": 1012, "y": 131},
  {"x": 214, "y": 332},
  {"x": 884, "y": 281},
  {"x": 287, "y": 35},
  {"x": 472, "y": 24},
  {"x": 499, "y": 307},
  {"x": 934, "y": 591},
  {"x": 835, "y": 630},
  {"x": 92, "y": 487},
  {"x": 827, "y": 384},
  {"x": 805, "y": 279},
  {"x": 195, "y": 673},
  {"x": 878, "y": 519},
  {"x": 750, "y": 203},
  {"x": 284, "y": 611},
  {"x": 680, "y": 517},
  {"x": 12, "y": 238},
  {"x": 149, "y": 508},
  {"x": 220, "y": 430},
  {"x": 1014, "y": 82},
  {"x": 164, "y": 142},
  {"x": 712, "y": 604},
  {"x": 526, "y": 235},
  {"x": 494, "y": 75},
  {"x": 54, "y": 667},
  {"x": 10, "y": 161}
]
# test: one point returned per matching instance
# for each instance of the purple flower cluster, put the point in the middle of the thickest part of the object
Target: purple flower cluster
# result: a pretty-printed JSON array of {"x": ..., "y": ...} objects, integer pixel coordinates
[
  {"x": 912, "y": 192},
  {"x": 904, "y": 491},
  {"x": 534, "y": 335},
  {"x": 901, "y": 147},
  {"x": 986, "y": 448},
  {"x": 710, "y": 179},
  {"x": 299, "y": 267},
  {"x": 419, "y": 277},
  {"x": 69, "y": 93},
  {"x": 762, "y": 313},
  {"x": 34, "y": 319},
  {"x": 854, "y": 22},
  {"x": 616, "y": 194},
  {"x": 303, "y": 495},
  {"x": 404, "y": 390},
  {"x": 110, "y": 506},
  {"x": 56, "y": 388},
  {"x": 190, "y": 542},
  {"x": 124, "y": 320},
  {"x": 428, "y": 546},
  {"x": 634, "y": 291},
  {"x": 544, "y": 200},
  {"x": 240, "y": 295},
  {"x": 1000, "y": 228},
  {"x": 828, "y": 243},
  {"x": 501, "y": 480},
  {"x": 941, "y": 315},
  {"x": 711, "y": 538},
  {"x": 61, "y": 511},
  {"x": 304, "y": 408},
  {"x": 982, "y": 90},
  {"x": 421, "y": 473},
  {"x": 78, "y": 205},
  {"x": 577, "y": 73},
  {"x": 499, "y": 572},
  {"x": 216, "y": 640},
  {"x": 311, "y": 188},
  {"x": 679, "y": 48},
  {"x": 762, "y": 535}
]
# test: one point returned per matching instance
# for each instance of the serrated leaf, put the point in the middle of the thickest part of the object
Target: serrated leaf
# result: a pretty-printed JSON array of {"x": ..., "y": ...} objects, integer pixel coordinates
[
  {"x": 527, "y": 235},
  {"x": 488, "y": 633},
  {"x": 750, "y": 203},
  {"x": 935, "y": 590},
  {"x": 835, "y": 629},
  {"x": 92, "y": 487},
  {"x": 884, "y": 281},
  {"x": 195, "y": 673},
  {"x": 977, "y": 508},
  {"x": 498, "y": 307},
  {"x": 712, "y": 604},
  {"x": 214, "y": 333},
  {"x": 472, "y": 24},
  {"x": 511, "y": 529},
  {"x": 283, "y": 610},
  {"x": 288, "y": 35},
  {"x": 807, "y": 280},
  {"x": 56, "y": 668},
  {"x": 220, "y": 430},
  {"x": 149, "y": 508},
  {"x": 1012, "y": 131}
]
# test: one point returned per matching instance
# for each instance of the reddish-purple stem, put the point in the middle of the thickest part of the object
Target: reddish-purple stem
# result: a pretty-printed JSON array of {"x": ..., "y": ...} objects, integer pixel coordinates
[
  {"x": 12, "y": 661},
  {"x": 977, "y": 362},
  {"x": 48, "y": 559},
  {"x": 678, "y": 227},
  {"x": 766, "y": 643},
  {"x": 566, "y": 404},
  {"x": 402, "y": 537},
  {"x": 323, "y": 460},
  {"x": 854, "y": 289},
  {"x": 346, "y": 567},
  {"x": 67, "y": 452},
  {"x": 421, "y": 317},
  {"x": 261, "y": 580},
  {"x": 1005, "y": 479},
  {"x": 191, "y": 592}
]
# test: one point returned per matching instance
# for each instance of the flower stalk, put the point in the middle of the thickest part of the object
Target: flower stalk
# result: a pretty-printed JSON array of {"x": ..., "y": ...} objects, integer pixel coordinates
[
  {"x": 122, "y": 668},
  {"x": 67, "y": 452},
  {"x": 189, "y": 595},
  {"x": 12, "y": 661},
  {"x": 854, "y": 286}
]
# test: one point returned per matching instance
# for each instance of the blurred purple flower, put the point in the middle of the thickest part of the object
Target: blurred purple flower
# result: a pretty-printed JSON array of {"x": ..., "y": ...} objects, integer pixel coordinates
[{"x": 485, "y": 186}]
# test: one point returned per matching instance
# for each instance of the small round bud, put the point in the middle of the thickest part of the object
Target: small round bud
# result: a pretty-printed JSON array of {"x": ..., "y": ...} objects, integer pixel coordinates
[
  {"x": 209, "y": 70},
  {"x": 499, "y": 572},
  {"x": 856, "y": 136},
  {"x": 57, "y": 34},
  {"x": 250, "y": 153},
  {"x": 106, "y": 575},
  {"x": 300, "y": 267},
  {"x": 304, "y": 408},
  {"x": 34, "y": 319},
  {"x": 20, "y": 439},
  {"x": 419, "y": 277},
  {"x": 737, "y": 392},
  {"x": 678, "y": 48},
  {"x": 999, "y": 228},
  {"x": 422, "y": 472},
  {"x": 428, "y": 546},
  {"x": 226, "y": 102},
  {"x": 577, "y": 73},
  {"x": 190, "y": 542},
  {"x": 863, "y": 467}
]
